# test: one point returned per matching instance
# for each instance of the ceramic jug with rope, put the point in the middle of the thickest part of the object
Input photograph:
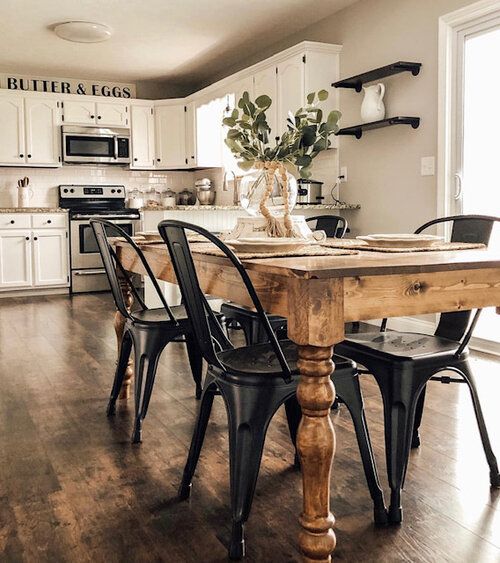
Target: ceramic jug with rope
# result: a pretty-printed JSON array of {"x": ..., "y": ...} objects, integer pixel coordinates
[{"x": 372, "y": 108}]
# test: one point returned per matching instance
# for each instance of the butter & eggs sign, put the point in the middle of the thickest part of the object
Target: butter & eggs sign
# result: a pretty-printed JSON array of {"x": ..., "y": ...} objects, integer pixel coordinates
[{"x": 67, "y": 86}]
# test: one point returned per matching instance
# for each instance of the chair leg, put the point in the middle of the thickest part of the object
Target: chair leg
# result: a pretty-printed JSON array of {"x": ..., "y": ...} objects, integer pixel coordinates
[
  {"x": 400, "y": 391},
  {"x": 207, "y": 399},
  {"x": 349, "y": 391},
  {"x": 293, "y": 416},
  {"x": 249, "y": 412},
  {"x": 148, "y": 348},
  {"x": 123, "y": 358},
  {"x": 195, "y": 361},
  {"x": 415, "y": 439},
  {"x": 490, "y": 456}
]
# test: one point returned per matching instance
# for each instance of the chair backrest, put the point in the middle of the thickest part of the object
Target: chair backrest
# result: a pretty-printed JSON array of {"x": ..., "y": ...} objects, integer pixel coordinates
[
  {"x": 334, "y": 226},
  {"x": 104, "y": 231},
  {"x": 202, "y": 318},
  {"x": 465, "y": 228}
]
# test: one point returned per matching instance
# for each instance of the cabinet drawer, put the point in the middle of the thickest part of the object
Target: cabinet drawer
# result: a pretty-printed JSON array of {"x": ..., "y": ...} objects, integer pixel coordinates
[
  {"x": 15, "y": 221},
  {"x": 49, "y": 220}
]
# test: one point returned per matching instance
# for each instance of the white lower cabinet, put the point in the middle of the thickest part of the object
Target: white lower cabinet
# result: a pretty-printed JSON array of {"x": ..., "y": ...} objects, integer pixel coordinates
[
  {"x": 35, "y": 257},
  {"x": 50, "y": 257},
  {"x": 15, "y": 259}
]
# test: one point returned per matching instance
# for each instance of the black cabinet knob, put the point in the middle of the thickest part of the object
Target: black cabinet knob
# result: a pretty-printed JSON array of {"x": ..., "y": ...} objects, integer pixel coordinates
[
  {"x": 21, "y": 155},
  {"x": 12, "y": 222},
  {"x": 135, "y": 159},
  {"x": 92, "y": 116},
  {"x": 27, "y": 238},
  {"x": 35, "y": 238},
  {"x": 158, "y": 159},
  {"x": 29, "y": 156},
  {"x": 98, "y": 117},
  {"x": 49, "y": 221}
]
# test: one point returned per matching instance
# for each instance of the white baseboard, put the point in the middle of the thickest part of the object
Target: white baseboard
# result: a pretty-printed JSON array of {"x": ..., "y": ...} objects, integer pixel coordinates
[{"x": 411, "y": 324}]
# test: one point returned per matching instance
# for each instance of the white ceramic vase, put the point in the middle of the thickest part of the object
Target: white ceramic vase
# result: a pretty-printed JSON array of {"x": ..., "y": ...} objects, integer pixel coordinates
[
  {"x": 372, "y": 108},
  {"x": 24, "y": 195}
]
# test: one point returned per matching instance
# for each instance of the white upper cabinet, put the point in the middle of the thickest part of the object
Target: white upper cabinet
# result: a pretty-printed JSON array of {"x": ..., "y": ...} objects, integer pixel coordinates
[
  {"x": 86, "y": 112},
  {"x": 42, "y": 134},
  {"x": 79, "y": 112},
  {"x": 265, "y": 83},
  {"x": 112, "y": 114},
  {"x": 11, "y": 130},
  {"x": 170, "y": 128},
  {"x": 290, "y": 77},
  {"x": 210, "y": 131},
  {"x": 50, "y": 257},
  {"x": 143, "y": 136},
  {"x": 191, "y": 151}
]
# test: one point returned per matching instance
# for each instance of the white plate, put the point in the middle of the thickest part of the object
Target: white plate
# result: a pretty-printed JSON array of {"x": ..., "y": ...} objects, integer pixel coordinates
[
  {"x": 401, "y": 240},
  {"x": 267, "y": 245}
]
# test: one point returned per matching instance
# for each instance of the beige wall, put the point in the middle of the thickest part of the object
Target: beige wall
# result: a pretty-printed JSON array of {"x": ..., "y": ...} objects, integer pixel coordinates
[{"x": 384, "y": 166}]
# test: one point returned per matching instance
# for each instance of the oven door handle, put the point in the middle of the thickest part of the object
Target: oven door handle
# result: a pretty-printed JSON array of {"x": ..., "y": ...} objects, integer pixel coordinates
[
  {"x": 115, "y": 218},
  {"x": 88, "y": 272}
]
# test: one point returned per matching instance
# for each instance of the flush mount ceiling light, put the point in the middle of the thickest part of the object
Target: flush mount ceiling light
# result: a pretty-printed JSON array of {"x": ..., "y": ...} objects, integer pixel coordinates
[{"x": 83, "y": 32}]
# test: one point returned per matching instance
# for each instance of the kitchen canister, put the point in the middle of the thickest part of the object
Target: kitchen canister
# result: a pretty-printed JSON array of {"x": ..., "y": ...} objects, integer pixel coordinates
[{"x": 24, "y": 195}]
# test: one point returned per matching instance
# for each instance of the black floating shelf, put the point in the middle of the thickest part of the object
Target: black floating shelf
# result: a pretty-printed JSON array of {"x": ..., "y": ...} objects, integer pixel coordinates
[
  {"x": 356, "y": 82},
  {"x": 357, "y": 130}
]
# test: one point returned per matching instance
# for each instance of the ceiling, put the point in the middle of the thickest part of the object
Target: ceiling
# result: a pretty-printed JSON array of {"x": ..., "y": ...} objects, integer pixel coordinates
[{"x": 182, "y": 41}]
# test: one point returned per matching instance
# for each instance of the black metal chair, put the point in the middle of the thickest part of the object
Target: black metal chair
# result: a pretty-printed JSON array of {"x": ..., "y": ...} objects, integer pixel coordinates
[
  {"x": 334, "y": 226},
  {"x": 402, "y": 364},
  {"x": 239, "y": 317},
  {"x": 148, "y": 331},
  {"x": 254, "y": 382}
]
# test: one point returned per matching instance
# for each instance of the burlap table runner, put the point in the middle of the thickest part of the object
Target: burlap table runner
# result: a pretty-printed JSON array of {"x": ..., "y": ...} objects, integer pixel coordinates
[
  {"x": 312, "y": 250},
  {"x": 360, "y": 245}
]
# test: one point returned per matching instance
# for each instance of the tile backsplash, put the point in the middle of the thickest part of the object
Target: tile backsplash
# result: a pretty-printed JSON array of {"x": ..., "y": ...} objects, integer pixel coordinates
[{"x": 45, "y": 181}]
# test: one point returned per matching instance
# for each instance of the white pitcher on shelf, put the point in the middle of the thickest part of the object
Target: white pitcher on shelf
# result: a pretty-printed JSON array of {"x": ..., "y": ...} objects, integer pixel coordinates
[{"x": 373, "y": 108}]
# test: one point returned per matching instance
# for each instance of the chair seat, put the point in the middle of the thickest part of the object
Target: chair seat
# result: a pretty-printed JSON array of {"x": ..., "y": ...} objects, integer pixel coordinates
[
  {"x": 403, "y": 346},
  {"x": 159, "y": 316},
  {"x": 232, "y": 310},
  {"x": 259, "y": 361}
]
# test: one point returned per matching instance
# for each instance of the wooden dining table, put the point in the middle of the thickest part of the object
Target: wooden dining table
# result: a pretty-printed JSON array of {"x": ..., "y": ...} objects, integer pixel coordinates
[{"x": 318, "y": 295}]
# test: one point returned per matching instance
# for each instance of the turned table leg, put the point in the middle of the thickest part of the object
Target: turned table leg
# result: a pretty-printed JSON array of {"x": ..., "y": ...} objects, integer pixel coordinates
[
  {"x": 119, "y": 326},
  {"x": 315, "y": 324}
]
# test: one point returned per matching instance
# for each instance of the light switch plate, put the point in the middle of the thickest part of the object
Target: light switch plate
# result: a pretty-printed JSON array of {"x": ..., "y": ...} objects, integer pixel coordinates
[{"x": 427, "y": 166}]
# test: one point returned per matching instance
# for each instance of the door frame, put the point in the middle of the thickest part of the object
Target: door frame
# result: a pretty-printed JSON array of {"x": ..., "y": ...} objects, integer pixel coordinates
[{"x": 452, "y": 29}]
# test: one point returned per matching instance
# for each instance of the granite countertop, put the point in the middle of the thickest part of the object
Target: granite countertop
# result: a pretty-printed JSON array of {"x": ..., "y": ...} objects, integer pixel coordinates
[
  {"x": 32, "y": 210},
  {"x": 238, "y": 208}
]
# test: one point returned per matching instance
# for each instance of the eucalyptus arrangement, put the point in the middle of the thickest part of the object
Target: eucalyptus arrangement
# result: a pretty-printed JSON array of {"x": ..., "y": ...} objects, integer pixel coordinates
[{"x": 306, "y": 136}]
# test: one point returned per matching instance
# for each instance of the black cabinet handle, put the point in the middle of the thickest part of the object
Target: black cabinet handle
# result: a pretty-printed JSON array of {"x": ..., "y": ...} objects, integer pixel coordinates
[
  {"x": 92, "y": 116},
  {"x": 135, "y": 159},
  {"x": 12, "y": 222},
  {"x": 27, "y": 238},
  {"x": 158, "y": 159},
  {"x": 35, "y": 238},
  {"x": 21, "y": 155},
  {"x": 49, "y": 221},
  {"x": 98, "y": 117},
  {"x": 29, "y": 156}
]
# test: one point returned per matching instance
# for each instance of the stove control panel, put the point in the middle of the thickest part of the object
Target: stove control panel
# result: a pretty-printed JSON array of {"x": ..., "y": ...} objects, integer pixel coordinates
[{"x": 91, "y": 192}]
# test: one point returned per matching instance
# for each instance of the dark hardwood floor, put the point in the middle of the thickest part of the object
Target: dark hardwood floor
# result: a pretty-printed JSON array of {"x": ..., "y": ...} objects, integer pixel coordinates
[{"x": 73, "y": 488}]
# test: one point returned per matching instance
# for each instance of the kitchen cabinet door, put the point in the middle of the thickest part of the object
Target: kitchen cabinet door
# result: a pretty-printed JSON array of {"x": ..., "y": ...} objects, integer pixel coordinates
[
  {"x": 50, "y": 257},
  {"x": 291, "y": 84},
  {"x": 143, "y": 136},
  {"x": 112, "y": 114},
  {"x": 191, "y": 150},
  {"x": 170, "y": 128},
  {"x": 15, "y": 259},
  {"x": 265, "y": 83},
  {"x": 210, "y": 132},
  {"x": 11, "y": 130},
  {"x": 79, "y": 112},
  {"x": 42, "y": 133}
]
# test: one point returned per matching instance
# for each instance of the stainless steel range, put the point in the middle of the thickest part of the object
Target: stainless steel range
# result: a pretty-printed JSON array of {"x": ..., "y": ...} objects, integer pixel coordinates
[{"x": 84, "y": 202}]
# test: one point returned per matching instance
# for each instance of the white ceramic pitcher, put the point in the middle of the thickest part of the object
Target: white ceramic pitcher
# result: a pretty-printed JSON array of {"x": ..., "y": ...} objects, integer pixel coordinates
[
  {"x": 372, "y": 108},
  {"x": 24, "y": 195}
]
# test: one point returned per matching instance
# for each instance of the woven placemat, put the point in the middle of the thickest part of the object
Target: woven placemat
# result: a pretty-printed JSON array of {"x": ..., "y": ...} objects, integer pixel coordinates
[
  {"x": 312, "y": 250},
  {"x": 360, "y": 245}
]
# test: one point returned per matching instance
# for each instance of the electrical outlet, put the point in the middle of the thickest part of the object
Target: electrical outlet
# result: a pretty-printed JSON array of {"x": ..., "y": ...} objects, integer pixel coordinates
[
  {"x": 427, "y": 166},
  {"x": 343, "y": 173}
]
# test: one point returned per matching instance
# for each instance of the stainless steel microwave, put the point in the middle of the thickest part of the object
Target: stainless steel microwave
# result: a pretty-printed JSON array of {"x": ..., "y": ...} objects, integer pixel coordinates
[{"x": 95, "y": 145}]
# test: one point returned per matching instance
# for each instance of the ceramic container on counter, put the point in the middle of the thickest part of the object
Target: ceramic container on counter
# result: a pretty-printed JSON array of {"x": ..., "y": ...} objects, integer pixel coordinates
[
  {"x": 373, "y": 108},
  {"x": 248, "y": 227}
]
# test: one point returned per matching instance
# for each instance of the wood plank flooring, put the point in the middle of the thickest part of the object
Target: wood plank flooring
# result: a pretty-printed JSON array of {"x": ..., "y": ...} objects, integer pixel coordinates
[{"x": 73, "y": 488}]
